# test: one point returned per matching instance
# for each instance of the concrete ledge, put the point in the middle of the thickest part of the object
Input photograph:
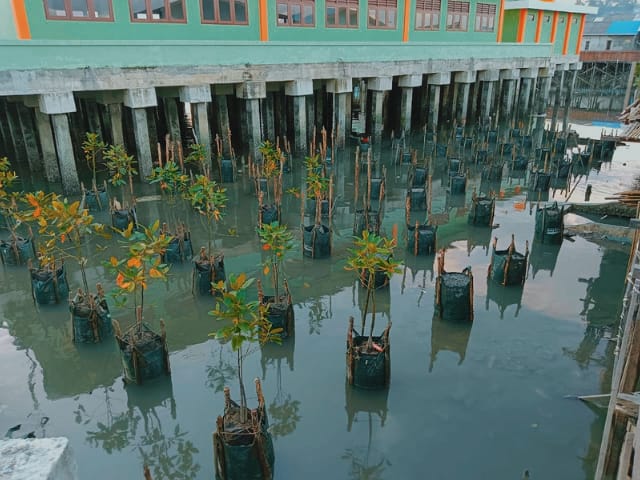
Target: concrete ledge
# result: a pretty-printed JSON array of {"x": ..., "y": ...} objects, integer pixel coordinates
[
  {"x": 410, "y": 81},
  {"x": 195, "y": 94},
  {"x": 340, "y": 85},
  {"x": 510, "y": 74},
  {"x": 443, "y": 78},
  {"x": 465, "y": 77},
  {"x": 53, "y": 103},
  {"x": 528, "y": 73},
  {"x": 489, "y": 76},
  {"x": 37, "y": 459},
  {"x": 299, "y": 88},
  {"x": 380, "y": 84},
  {"x": 140, "y": 98},
  {"x": 251, "y": 90}
]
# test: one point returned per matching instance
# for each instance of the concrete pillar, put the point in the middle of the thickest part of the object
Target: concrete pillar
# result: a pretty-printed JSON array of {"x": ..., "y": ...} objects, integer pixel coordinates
[
  {"x": 557, "y": 98},
  {"x": 341, "y": 89},
  {"x": 93, "y": 117},
  {"x": 15, "y": 132},
  {"x": 25, "y": 120},
  {"x": 199, "y": 97},
  {"x": 436, "y": 81},
  {"x": 489, "y": 79},
  {"x": 508, "y": 92},
  {"x": 299, "y": 90},
  {"x": 463, "y": 82},
  {"x": 57, "y": 105},
  {"x": 252, "y": 93},
  {"x": 375, "y": 114},
  {"x": 527, "y": 80},
  {"x": 115, "y": 116},
  {"x": 47, "y": 147},
  {"x": 541, "y": 101},
  {"x": 269, "y": 123},
  {"x": 570, "y": 81},
  {"x": 138, "y": 99},
  {"x": 311, "y": 118},
  {"x": 407, "y": 83},
  {"x": 222, "y": 112}
]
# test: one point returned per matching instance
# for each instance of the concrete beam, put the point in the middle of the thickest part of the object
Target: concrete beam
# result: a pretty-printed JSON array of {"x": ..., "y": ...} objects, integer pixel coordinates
[
  {"x": 340, "y": 85},
  {"x": 195, "y": 94},
  {"x": 410, "y": 81},
  {"x": 140, "y": 98},
  {"x": 298, "y": 88},
  {"x": 528, "y": 73},
  {"x": 489, "y": 76},
  {"x": 546, "y": 72},
  {"x": 510, "y": 74},
  {"x": 465, "y": 77},
  {"x": 109, "y": 97},
  {"x": 168, "y": 92},
  {"x": 380, "y": 84},
  {"x": 251, "y": 90},
  {"x": 562, "y": 67},
  {"x": 31, "y": 101},
  {"x": 41, "y": 458},
  {"x": 442, "y": 78},
  {"x": 54, "y": 103},
  {"x": 575, "y": 66}
]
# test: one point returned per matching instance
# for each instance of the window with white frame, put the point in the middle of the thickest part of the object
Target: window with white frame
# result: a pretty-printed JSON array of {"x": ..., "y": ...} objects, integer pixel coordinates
[
  {"x": 428, "y": 14},
  {"x": 342, "y": 13},
  {"x": 457, "y": 16},
  {"x": 91, "y": 10},
  {"x": 383, "y": 14}
]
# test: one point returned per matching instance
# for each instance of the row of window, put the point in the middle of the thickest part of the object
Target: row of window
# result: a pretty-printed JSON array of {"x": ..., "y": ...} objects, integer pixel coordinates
[{"x": 298, "y": 13}]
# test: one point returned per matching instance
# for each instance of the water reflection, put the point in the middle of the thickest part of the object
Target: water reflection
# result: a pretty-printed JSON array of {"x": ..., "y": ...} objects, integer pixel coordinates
[
  {"x": 366, "y": 463},
  {"x": 450, "y": 336},
  {"x": 504, "y": 297},
  {"x": 543, "y": 256}
]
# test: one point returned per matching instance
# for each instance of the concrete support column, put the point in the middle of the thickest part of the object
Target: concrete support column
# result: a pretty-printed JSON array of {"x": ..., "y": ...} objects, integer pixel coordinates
[
  {"x": 299, "y": 89},
  {"x": 527, "y": 76},
  {"x": 115, "y": 115},
  {"x": 407, "y": 83},
  {"x": 541, "y": 101},
  {"x": 341, "y": 88},
  {"x": 463, "y": 82},
  {"x": 252, "y": 93},
  {"x": 489, "y": 79},
  {"x": 269, "y": 116},
  {"x": 138, "y": 99},
  {"x": 378, "y": 86},
  {"x": 436, "y": 81},
  {"x": 557, "y": 97},
  {"x": 57, "y": 105},
  {"x": 199, "y": 97},
  {"x": 570, "y": 81},
  {"x": 48, "y": 147},
  {"x": 222, "y": 115},
  {"x": 25, "y": 120},
  {"x": 509, "y": 83}
]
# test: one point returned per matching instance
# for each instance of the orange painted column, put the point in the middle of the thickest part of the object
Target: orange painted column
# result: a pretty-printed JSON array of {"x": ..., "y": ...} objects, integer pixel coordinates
[
  {"x": 263, "y": 12},
  {"x": 500, "y": 21},
  {"x": 407, "y": 20},
  {"x": 567, "y": 34},
  {"x": 20, "y": 19},
  {"x": 580, "y": 33},
  {"x": 539, "y": 25},
  {"x": 522, "y": 25},
  {"x": 554, "y": 27}
]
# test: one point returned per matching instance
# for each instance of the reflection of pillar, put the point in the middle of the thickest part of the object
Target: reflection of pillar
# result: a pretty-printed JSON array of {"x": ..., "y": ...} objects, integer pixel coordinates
[
  {"x": 489, "y": 79},
  {"x": 569, "y": 84},
  {"x": 463, "y": 81},
  {"x": 58, "y": 105},
  {"x": 138, "y": 99},
  {"x": 436, "y": 81},
  {"x": 541, "y": 101},
  {"x": 407, "y": 83},
  {"x": 299, "y": 89},
  {"x": 378, "y": 86},
  {"x": 527, "y": 76},
  {"x": 252, "y": 93},
  {"x": 509, "y": 78},
  {"x": 341, "y": 88},
  {"x": 199, "y": 96},
  {"x": 48, "y": 147},
  {"x": 557, "y": 96}
]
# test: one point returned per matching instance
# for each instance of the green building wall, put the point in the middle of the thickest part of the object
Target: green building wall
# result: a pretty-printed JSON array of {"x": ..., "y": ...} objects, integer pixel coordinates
[
  {"x": 573, "y": 36},
  {"x": 560, "y": 31},
  {"x": 510, "y": 26},
  {"x": 530, "y": 29},
  {"x": 7, "y": 25},
  {"x": 122, "y": 28},
  {"x": 545, "y": 33}
]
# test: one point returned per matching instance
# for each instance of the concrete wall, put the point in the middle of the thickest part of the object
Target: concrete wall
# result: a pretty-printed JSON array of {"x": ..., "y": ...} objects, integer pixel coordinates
[
  {"x": 599, "y": 42},
  {"x": 7, "y": 25}
]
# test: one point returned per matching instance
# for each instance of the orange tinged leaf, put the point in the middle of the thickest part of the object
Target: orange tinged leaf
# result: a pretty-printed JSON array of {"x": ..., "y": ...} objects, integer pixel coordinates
[
  {"x": 37, "y": 212},
  {"x": 63, "y": 237},
  {"x": 32, "y": 200},
  {"x": 266, "y": 247},
  {"x": 134, "y": 262},
  {"x": 155, "y": 273},
  {"x": 113, "y": 261},
  {"x": 120, "y": 280},
  {"x": 266, "y": 270}
]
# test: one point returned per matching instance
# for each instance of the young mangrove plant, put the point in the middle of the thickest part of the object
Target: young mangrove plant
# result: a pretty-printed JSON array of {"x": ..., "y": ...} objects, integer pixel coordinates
[
  {"x": 276, "y": 241},
  {"x": 372, "y": 259},
  {"x": 121, "y": 168},
  {"x": 16, "y": 249},
  {"x": 242, "y": 441},
  {"x": 198, "y": 156},
  {"x": 93, "y": 149},
  {"x": 210, "y": 200},
  {"x": 268, "y": 178}
]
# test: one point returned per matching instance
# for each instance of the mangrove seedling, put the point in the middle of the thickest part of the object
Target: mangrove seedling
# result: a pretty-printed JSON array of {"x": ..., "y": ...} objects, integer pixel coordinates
[
  {"x": 93, "y": 149},
  {"x": 198, "y": 156},
  {"x": 16, "y": 249},
  {"x": 122, "y": 168},
  {"x": 141, "y": 263},
  {"x": 371, "y": 257},
  {"x": 172, "y": 180},
  {"x": 210, "y": 200},
  {"x": 247, "y": 325},
  {"x": 276, "y": 241}
]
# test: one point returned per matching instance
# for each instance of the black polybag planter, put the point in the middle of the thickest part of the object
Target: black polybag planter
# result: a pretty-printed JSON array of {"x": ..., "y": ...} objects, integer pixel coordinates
[
  {"x": 16, "y": 252},
  {"x": 549, "y": 223},
  {"x": 316, "y": 241},
  {"x": 90, "y": 319},
  {"x": 421, "y": 239},
  {"x": 205, "y": 273},
  {"x": 49, "y": 287}
]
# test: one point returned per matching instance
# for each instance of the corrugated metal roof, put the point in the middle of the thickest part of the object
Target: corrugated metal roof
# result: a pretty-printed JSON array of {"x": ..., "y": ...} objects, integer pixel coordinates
[{"x": 624, "y": 28}]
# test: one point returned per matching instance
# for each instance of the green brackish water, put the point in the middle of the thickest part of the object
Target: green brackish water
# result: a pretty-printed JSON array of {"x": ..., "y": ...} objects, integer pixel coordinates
[{"x": 483, "y": 400}]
